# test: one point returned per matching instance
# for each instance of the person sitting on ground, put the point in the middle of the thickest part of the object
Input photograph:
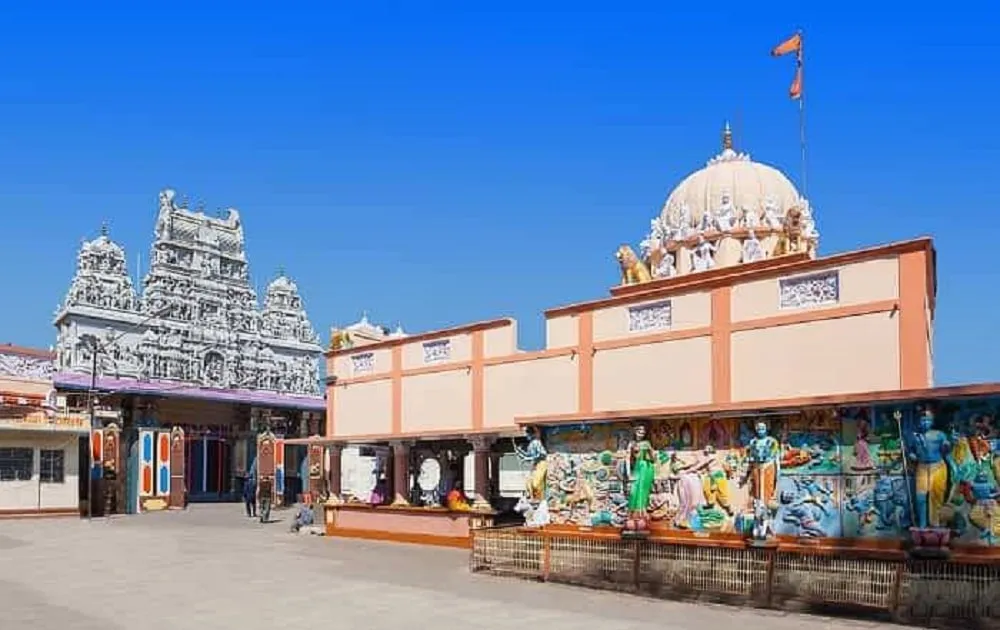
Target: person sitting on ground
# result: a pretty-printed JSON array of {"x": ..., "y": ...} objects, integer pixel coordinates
[{"x": 304, "y": 518}]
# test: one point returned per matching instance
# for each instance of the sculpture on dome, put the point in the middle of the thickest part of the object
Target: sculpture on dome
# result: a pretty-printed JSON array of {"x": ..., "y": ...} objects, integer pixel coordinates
[
  {"x": 634, "y": 271},
  {"x": 665, "y": 266},
  {"x": 750, "y": 219},
  {"x": 771, "y": 218},
  {"x": 752, "y": 250},
  {"x": 702, "y": 258},
  {"x": 725, "y": 217},
  {"x": 683, "y": 231}
]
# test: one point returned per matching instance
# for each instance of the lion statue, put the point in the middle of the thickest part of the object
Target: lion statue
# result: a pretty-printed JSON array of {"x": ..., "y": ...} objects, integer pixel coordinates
[
  {"x": 634, "y": 271},
  {"x": 791, "y": 240},
  {"x": 340, "y": 339}
]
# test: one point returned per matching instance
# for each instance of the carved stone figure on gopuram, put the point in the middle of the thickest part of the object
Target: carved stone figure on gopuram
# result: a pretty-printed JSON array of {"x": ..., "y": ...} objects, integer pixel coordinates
[
  {"x": 197, "y": 320},
  {"x": 734, "y": 211}
]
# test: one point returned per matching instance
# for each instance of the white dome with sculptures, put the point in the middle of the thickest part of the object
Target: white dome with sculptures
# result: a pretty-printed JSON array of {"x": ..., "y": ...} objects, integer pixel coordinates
[{"x": 732, "y": 211}]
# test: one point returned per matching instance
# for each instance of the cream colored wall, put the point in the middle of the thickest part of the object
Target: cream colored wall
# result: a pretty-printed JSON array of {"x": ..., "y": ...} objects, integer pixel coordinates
[
  {"x": 500, "y": 342},
  {"x": 860, "y": 283},
  {"x": 693, "y": 310},
  {"x": 437, "y": 401},
  {"x": 835, "y": 356},
  {"x": 562, "y": 331},
  {"x": 33, "y": 495},
  {"x": 660, "y": 374},
  {"x": 532, "y": 387},
  {"x": 363, "y": 408}
]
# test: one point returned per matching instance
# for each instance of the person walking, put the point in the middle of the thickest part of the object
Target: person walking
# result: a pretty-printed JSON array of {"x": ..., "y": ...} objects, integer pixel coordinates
[{"x": 250, "y": 496}]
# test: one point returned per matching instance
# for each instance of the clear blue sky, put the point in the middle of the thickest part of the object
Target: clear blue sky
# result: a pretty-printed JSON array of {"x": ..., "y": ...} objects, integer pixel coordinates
[{"x": 439, "y": 167}]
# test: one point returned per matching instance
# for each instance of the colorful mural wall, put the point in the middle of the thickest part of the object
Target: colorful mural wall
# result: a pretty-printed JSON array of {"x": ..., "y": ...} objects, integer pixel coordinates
[{"x": 842, "y": 472}]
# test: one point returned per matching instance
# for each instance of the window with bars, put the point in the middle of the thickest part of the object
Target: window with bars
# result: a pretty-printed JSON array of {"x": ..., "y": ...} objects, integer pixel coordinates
[
  {"x": 52, "y": 466},
  {"x": 16, "y": 463}
]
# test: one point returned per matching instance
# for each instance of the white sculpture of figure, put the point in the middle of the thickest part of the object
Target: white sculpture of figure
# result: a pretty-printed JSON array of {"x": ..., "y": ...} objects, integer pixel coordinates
[
  {"x": 809, "y": 230},
  {"x": 708, "y": 222},
  {"x": 771, "y": 218},
  {"x": 726, "y": 215},
  {"x": 752, "y": 250},
  {"x": 666, "y": 268},
  {"x": 702, "y": 256},
  {"x": 750, "y": 219},
  {"x": 684, "y": 222}
]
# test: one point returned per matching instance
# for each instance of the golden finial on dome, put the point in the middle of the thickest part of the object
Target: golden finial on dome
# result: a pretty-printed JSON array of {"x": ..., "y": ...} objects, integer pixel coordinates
[{"x": 727, "y": 138}]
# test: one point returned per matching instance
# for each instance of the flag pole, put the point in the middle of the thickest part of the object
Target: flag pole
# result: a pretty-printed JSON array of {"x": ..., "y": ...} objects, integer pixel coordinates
[{"x": 799, "y": 58}]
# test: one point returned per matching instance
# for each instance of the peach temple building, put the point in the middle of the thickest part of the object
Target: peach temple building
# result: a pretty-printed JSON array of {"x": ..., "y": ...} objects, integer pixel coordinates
[{"x": 726, "y": 309}]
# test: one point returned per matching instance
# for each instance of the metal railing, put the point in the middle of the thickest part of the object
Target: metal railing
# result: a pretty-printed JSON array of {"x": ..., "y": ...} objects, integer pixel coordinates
[{"x": 912, "y": 591}]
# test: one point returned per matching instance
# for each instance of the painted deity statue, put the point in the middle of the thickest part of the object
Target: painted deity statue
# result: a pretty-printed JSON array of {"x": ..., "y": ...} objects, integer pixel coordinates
[
  {"x": 535, "y": 455},
  {"x": 763, "y": 453},
  {"x": 641, "y": 466},
  {"x": 928, "y": 449}
]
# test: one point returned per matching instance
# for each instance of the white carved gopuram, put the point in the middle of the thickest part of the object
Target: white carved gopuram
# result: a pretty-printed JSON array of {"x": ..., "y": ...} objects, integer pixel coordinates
[{"x": 196, "y": 321}]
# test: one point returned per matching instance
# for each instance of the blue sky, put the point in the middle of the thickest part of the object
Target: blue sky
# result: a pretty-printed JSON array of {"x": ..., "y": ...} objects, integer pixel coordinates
[{"x": 436, "y": 167}]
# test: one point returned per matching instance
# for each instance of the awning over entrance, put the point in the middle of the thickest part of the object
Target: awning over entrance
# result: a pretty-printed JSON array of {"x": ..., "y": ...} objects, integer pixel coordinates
[{"x": 173, "y": 389}]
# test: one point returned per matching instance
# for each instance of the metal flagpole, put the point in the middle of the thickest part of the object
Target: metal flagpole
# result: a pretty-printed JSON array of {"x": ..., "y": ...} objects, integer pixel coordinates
[{"x": 799, "y": 58}]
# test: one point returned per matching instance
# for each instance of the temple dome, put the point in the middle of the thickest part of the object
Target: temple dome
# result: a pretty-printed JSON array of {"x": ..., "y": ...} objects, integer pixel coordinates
[{"x": 730, "y": 178}]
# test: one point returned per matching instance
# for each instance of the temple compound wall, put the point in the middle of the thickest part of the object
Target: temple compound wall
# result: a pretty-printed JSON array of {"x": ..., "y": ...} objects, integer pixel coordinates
[{"x": 785, "y": 329}]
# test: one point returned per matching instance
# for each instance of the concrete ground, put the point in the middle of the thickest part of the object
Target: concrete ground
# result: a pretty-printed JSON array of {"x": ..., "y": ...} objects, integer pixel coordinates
[{"x": 211, "y": 567}]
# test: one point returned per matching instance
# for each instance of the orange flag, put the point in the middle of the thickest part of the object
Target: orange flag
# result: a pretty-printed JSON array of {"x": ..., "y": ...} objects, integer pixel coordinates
[
  {"x": 795, "y": 90},
  {"x": 791, "y": 45}
]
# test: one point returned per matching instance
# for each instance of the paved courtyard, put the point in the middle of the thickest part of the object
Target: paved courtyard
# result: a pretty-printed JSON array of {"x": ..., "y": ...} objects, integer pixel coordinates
[{"x": 210, "y": 567}]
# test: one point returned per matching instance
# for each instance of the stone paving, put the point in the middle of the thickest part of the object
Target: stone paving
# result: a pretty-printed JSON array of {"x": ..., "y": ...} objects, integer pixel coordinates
[{"x": 211, "y": 567}]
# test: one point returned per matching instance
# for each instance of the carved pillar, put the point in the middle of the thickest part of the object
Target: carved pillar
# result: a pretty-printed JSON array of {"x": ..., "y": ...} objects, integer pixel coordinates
[
  {"x": 178, "y": 484},
  {"x": 316, "y": 481},
  {"x": 400, "y": 473},
  {"x": 336, "y": 469},
  {"x": 481, "y": 465}
]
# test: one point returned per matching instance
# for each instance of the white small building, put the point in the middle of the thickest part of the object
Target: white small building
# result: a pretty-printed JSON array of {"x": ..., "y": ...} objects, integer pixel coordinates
[{"x": 40, "y": 445}]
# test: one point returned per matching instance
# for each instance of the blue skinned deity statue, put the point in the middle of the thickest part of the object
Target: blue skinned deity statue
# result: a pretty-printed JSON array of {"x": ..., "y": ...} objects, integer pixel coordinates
[{"x": 928, "y": 448}]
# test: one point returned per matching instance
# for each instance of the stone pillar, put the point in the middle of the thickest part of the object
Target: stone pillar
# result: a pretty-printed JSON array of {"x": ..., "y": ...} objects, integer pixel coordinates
[
  {"x": 335, "y": 472},
  {"x": 481, "y": 467},
  {"x": 400, "y": 473}
]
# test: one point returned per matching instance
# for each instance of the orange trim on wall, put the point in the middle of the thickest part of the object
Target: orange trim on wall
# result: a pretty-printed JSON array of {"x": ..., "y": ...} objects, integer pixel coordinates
[
  {"x": 739, "y": 274},
  {"x": 534, "y": 355},
  {"x": 427, "y": 336},
  {"x": 721, "y": 330},
  {"x": 477, "y": 374},
  {"x": 397, "y": 389},
  {"x": 585, "y": 354},
  {"x": 816, "y": 315},
  {"x": 859, "y": 398},
  {"x": 643, "y": 340},
  {"x": 914, "y": 329}
]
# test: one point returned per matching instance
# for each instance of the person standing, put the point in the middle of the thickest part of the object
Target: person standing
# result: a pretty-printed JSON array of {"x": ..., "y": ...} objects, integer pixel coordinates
[{"x": 250, "y": 496}]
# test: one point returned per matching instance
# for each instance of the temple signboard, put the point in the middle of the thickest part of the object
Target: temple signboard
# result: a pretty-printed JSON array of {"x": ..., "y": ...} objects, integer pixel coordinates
[{"x": 44, "y": 421}]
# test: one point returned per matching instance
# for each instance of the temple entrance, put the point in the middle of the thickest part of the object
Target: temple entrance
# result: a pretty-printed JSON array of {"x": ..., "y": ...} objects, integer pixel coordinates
[{"x": 208, "y": 475}]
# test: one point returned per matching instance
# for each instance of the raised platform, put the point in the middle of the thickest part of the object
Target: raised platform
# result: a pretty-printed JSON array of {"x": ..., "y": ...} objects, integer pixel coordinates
[
  {"x": 789, "y": 575},
  {"x": 426, "y": 526}
]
